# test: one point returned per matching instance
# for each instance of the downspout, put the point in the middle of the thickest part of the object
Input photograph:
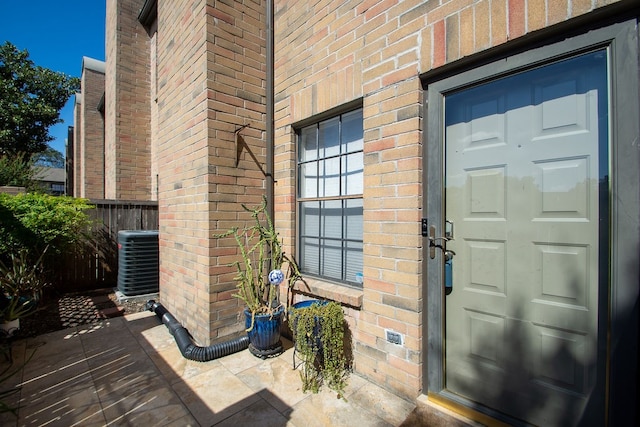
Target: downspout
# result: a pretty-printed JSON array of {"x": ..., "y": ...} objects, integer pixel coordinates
[
  {"x": 270, "y": 190},
  {"x": 188, "y": 349}
]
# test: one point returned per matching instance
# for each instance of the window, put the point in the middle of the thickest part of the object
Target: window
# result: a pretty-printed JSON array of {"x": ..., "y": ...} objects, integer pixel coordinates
[
  {"x": 57, "y": 188},
  {"x": 330, "y": 171}
]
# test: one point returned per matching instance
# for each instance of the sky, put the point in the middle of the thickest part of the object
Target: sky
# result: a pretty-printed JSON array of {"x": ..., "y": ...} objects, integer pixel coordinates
[{"x": 57, "y": 34}]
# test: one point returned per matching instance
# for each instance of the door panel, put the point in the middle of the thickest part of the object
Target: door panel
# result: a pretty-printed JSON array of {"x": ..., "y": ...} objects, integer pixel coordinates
[{"x": 524, "y": 156}]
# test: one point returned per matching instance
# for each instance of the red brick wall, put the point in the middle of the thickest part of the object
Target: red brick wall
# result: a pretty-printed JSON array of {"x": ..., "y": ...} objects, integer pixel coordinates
[
  {"x": 91, "y": 142},
  {"x": 128, "y": 103},
  {"x": 77, "y": 158},
  {"x": 331, "y": 52},
  {"x": 111, "y": 48}
]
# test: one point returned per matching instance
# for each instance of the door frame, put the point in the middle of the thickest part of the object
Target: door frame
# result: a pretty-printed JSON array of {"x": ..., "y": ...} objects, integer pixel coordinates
[{"x": 619, "y": 306}]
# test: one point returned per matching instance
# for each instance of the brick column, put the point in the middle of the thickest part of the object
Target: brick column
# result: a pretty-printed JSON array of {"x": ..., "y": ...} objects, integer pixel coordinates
[
  {"x": 127, "y": 103},
  {"x": 91, "y": 142},
  {"x": 211, "y": 72}
]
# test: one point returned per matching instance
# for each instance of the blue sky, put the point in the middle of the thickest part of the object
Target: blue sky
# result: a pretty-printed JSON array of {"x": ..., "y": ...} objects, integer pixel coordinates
[{"x": 57, "y": 34}]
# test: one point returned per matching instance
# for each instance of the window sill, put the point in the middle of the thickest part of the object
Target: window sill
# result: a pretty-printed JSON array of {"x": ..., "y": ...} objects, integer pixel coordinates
[{"x": 326, "y": 290}]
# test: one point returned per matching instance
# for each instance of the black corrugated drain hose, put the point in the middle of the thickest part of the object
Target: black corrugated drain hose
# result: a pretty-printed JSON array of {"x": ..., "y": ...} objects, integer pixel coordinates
[{"x": 183, "y": 338}]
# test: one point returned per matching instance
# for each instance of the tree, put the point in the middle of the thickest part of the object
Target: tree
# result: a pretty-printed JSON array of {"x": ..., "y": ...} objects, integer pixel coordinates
[
  {"x": 18, "y": 171},
  {"x": 49, "y": 158},
  {"x": 31, "y": 98}
]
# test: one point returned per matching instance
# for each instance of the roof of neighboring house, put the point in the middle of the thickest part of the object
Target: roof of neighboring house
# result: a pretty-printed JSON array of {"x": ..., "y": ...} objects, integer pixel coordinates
[{"x": 50, "y": 174}]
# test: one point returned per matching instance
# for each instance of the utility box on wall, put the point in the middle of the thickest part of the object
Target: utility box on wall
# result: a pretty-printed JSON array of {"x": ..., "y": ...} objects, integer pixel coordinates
[{"x": 138, "y": 262}]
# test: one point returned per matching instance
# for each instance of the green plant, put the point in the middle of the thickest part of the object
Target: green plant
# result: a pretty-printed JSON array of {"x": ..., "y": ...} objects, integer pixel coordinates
[
  {"x": 261, "y": 252},
  {"x": 34, "y": 221},
  {"x": 21, "y": 284},
  {"x": 318, "y": 332}
]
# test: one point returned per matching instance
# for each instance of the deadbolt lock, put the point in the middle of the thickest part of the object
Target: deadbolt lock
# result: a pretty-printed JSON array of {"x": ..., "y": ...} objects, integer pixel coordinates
[{"x": 448, "y": 255}]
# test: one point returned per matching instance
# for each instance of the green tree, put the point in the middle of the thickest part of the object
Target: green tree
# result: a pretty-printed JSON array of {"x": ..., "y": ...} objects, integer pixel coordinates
[
  {"x": 31, "y": 98},
  {"x": 49, "y": 158},
  {"x": 18, "y": 171}
]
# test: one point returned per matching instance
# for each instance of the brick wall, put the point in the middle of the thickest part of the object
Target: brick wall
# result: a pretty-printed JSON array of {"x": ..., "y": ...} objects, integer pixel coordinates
[
  {"x": 128, "y": 103},
  {"x": 88, "y": 132},
  {"x": 77, "y": 158},
  {"x": 111, "y": 48},
  {"x": 210, "y": 82},
  {"x": 329, "y": 53},
  {"x": 91, "y": 152},
  {"x": 154, "y": 110}
]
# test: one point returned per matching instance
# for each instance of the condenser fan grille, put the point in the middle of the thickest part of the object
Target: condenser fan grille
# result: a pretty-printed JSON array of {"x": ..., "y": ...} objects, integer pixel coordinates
[{"x": 138, "y": 262}]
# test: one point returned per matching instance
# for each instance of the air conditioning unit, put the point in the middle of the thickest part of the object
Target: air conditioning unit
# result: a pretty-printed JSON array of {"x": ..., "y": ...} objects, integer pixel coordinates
[{"x": 138, "y": 262}]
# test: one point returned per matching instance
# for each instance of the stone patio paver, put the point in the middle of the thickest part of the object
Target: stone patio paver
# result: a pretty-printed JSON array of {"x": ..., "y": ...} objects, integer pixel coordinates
[{"x": 129, "y": 371}]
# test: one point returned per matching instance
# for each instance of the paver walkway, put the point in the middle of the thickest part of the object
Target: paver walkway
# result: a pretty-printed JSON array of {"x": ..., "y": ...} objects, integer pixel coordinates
[{"x": 129, "y": 371}]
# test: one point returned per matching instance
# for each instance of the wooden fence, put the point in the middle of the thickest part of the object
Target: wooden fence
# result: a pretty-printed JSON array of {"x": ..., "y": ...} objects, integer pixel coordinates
[{"x": 94, "y": 265}]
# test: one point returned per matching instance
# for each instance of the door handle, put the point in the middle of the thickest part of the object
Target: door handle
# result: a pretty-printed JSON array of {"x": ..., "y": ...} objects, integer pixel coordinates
[
  {"x": 433, "y": 242},
  {"x": 448, "y": 255}
]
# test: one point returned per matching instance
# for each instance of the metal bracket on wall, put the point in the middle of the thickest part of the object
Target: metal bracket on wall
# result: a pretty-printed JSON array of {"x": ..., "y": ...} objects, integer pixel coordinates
[{"x": 239, "y": 142}]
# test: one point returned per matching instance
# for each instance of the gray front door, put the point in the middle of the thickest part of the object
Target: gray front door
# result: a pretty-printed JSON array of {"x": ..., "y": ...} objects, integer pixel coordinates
[{"x": 525, "y": 159}]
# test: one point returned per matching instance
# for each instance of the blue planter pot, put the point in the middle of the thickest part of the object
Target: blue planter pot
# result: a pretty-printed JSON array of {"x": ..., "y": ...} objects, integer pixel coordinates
[
  {"x": 308, "y": 303},
  {"x": 264, "y": 338}
]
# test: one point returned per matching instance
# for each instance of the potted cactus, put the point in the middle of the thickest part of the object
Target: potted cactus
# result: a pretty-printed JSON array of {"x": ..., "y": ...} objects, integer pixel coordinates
[{"x": 260, "y": 270}]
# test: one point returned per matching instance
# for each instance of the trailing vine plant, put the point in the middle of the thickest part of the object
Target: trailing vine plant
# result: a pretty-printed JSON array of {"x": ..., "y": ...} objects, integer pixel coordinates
[{"x": 318, "y": 332}]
